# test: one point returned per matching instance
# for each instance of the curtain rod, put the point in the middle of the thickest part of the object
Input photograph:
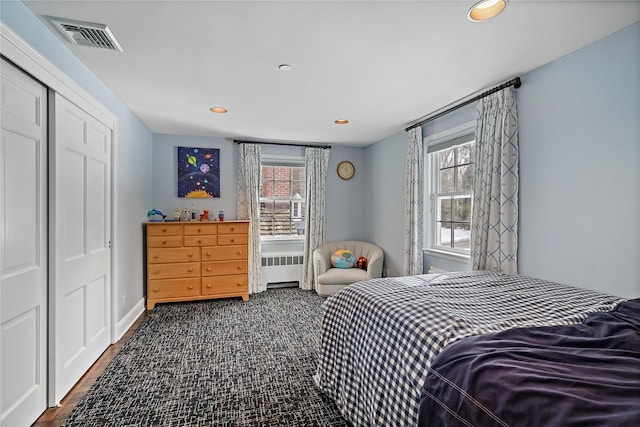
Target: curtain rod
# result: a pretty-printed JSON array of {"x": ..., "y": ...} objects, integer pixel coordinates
[
  {"x": 514, "y": 82},
  {"x": 290, "y": 144}
]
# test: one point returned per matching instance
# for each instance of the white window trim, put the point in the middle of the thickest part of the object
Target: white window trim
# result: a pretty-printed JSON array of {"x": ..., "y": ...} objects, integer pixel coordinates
[
  {"x": 281, "y": 238},
  {"x": 281, "y": 160},
  {"x": 431, "y": 175},
  {"x": 445, "y": 135}
]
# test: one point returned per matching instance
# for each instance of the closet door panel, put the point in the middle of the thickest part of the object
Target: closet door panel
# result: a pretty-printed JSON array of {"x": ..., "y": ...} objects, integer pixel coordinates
[
  {"x": 23, "y": 247},
  {"x": 81, "y": 254}
]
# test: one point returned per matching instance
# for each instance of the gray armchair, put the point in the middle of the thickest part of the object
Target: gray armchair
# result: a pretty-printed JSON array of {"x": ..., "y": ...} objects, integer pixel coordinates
[{"x": 329, "y": 280}]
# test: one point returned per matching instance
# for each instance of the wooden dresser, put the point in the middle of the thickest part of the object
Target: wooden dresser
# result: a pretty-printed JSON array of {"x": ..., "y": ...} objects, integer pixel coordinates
[{"x": 196, "y": 260}]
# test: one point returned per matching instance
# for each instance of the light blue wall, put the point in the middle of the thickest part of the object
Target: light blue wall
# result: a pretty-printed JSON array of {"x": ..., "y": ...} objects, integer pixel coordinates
[
  {"x": 345, "y": 207},
  {"x": 344, "y": 204},
  {"x": 580, "y": 167},
  {"x": 384, "y": 198},
  {"x": 579, "y": 136},
  {"x": 132, "y": 153},
  {"x": 164, "y": 161}
]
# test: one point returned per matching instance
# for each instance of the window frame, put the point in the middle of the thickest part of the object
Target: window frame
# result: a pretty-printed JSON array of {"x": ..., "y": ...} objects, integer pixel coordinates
[
  {"x": 288, "y": 161},
  {"x": 434, "y": 144}
]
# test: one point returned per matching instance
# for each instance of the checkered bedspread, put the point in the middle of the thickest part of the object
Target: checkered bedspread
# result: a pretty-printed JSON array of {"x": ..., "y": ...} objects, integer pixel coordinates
[{"x": 379, "y": 337}]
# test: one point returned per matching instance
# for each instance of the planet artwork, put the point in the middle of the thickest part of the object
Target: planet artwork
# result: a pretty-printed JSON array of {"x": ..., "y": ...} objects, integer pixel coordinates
[{"x": 198, "y": 172}]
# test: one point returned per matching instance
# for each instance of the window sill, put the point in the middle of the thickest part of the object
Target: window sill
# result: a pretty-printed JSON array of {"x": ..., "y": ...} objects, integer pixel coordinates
[
  {"x": 284, "y": 239},
  {"x": 454, "y": 256}
]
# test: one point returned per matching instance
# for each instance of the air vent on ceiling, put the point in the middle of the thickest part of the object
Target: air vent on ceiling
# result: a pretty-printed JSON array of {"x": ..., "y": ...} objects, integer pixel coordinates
[{"x": 86, "y": 33}]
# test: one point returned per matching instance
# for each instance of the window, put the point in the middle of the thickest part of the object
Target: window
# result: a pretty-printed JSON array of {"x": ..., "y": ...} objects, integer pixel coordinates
[
  {"x": 282, "y": 189},
  {"x": 452, "y": 194}
]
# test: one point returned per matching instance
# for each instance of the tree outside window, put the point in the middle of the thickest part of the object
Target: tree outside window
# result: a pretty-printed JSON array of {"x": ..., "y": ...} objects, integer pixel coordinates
[{"x": 453, "y": 193}]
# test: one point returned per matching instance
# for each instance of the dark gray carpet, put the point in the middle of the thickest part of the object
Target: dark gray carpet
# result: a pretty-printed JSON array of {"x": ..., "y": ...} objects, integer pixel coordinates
[{"x": 219, "y": 362}]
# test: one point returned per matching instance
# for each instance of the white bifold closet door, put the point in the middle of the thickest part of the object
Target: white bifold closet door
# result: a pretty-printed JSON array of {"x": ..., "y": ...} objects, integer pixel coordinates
[
  {"x": 80, "y": 206},
  {"x": 23, "y": 250}
]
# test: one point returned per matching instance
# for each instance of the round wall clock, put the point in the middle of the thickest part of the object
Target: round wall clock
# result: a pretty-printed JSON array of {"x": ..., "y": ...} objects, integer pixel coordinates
[{"x": 346, "y": 169}]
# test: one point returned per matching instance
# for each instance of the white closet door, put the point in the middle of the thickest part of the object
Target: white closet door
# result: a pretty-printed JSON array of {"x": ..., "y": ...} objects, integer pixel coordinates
[
  {"x": 23, "y": 251},
  {"x": 80, "y": 217}
]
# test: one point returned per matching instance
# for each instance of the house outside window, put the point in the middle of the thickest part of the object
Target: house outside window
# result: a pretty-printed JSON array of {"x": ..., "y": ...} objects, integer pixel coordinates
[
  {"x": 282, "y": 194},
  {"x": 451, "y": 165}
]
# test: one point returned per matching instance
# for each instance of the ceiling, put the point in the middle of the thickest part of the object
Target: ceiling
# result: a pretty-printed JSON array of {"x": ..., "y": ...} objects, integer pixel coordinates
[{"x": 380, "y": 64}]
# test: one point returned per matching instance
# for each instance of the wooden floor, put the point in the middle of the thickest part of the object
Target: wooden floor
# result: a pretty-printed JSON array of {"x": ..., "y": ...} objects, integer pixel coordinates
[{"x": 56, "y": 416}]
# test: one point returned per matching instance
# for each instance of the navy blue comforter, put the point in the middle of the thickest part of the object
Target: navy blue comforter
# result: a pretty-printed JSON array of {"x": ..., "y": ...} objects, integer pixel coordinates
[{"x": 578, "y": 375}]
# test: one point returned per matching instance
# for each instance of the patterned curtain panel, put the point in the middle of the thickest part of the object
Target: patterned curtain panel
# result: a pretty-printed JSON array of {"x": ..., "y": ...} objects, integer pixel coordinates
[
  {"x": 413, "y": 204},
  {"x": 494, "y": 230},
  {"x": 248, "y": 206},
  {"x": 316, "y": 162}
]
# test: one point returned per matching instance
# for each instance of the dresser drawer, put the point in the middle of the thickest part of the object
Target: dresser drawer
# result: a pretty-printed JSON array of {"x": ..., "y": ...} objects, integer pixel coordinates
[
  {"x": 165, "y": 242},
  {"x": 199, "y": 240},
  {"x": 224, "y": 253},
  {"x": 232, "y": 239},
  {"x": 224, "y": 284},
  {"x": 233, "y": 228},
  {"x": 199, "y": 229},
  {"x": 171, "y": 288},
  {"x": 173, "y": 270},
  {"x": 223, "y": 268},
  {"x": 162, "y": 255},
  {"x": 164, "y": 230}
]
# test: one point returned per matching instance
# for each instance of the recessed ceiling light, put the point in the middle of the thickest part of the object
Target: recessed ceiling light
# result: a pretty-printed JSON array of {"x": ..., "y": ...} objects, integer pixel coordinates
[
  {"x": 220, "y": 110},
  {"x": 341, "y": 121},
  {"x": 284, "y": 67},
  {"x": 486, "y": 9}
]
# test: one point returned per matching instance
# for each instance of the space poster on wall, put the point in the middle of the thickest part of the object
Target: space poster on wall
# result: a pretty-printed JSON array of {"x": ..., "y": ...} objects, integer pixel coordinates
[{"x": 198, "y": 172}]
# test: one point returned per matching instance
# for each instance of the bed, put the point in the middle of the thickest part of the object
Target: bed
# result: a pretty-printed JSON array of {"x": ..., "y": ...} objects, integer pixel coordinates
[{"x": 396, "y": 351}]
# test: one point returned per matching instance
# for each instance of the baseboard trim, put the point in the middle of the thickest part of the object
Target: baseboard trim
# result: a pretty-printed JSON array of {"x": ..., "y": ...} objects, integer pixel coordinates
[{"x": 128, "y": 320}]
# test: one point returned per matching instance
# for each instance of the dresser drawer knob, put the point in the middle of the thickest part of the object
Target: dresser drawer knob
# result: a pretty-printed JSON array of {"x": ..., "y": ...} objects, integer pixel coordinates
[
  {"x": 156, "y": 256},
  {"x": 156, "y": 272},
  {"x": 208, "y": 253},
  {"x": 155, "y": 290},
  {"x": 189, "y": 287},
  {"x": 199, "y": 241},
  {"x": 164, "y": 230},
  {"x": 190, "y": 270},
  {"x": 239, "y": 252},
  {"x": 189, "y": 255},
  {"x": 199, "y": 231},
  {"x": 233, "y": 240},
  {"x": 208, "y": 268},
  {"x": 239, "y": 267},
  {"x": 232, "y": 229},
  {"x": 239, "y": 283},
  {"x": 208, "y": 286},
  {"x": 164, "y": 242}
]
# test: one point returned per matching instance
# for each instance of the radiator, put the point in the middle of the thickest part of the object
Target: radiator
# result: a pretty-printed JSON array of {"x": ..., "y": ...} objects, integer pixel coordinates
[{"x": 281, "y": 267}]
